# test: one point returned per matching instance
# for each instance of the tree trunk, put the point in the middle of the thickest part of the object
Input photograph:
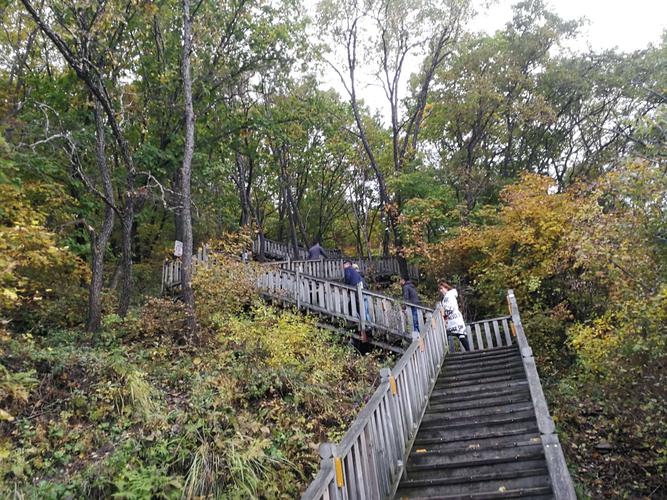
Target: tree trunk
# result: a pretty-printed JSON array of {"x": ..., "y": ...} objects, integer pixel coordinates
[
  {"x": 99, "y": 242},
  {"x": 243, "y": 193},
  {"x": 186, "y": 170},
  {"x": 126, "y": 258},
  {"x": 293, "y": 237}
]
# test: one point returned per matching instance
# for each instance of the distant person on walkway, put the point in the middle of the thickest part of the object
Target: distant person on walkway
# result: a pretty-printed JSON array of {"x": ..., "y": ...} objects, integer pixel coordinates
[
  {"x": 352, "y": 277},
  {"x": 411, "y": 297},
  {"x": 316, "y": 252},
  {"x": 454, "y": 324}
]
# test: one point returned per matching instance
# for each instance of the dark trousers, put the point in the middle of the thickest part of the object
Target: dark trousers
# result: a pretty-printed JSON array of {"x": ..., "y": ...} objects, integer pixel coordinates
[{"x": 463, "y": 339}]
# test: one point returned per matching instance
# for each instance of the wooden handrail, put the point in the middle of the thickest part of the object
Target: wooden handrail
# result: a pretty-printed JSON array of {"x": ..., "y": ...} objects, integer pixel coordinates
[
  {"x": 283, "y": 250},
  {"x": 558, "y": 473},
  {"x": 372, "y": 454},
  {"x": 325, "y": 268}
]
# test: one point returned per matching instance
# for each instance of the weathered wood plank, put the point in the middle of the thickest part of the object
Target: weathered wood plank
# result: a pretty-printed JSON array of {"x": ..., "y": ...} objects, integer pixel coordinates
[
  {"x": 478, "y": 336},
  {"x": 487, "y": 335},
  {"x": 496, "y": 331}
]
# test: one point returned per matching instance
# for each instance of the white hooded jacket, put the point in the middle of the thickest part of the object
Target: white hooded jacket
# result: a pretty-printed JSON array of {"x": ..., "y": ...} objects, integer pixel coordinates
[{"x": 452, "y": 314}]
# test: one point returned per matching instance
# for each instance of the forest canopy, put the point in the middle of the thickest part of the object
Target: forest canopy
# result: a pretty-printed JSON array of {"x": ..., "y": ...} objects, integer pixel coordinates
[{"x": 495, "y": 161}]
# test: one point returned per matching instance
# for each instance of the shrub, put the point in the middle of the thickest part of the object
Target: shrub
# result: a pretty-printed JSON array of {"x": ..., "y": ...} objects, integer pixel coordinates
[
  {"x": 42, "y": 284},
  {"x": 225, "y": 288}
]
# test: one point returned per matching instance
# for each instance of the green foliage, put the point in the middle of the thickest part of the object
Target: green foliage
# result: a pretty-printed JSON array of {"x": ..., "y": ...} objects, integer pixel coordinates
[
  {"x": 41, "y": 281},
  {"x": 588, "y": 267},
  {"x": 224, "y": 288},
  {"x": 139, "y": 414}
]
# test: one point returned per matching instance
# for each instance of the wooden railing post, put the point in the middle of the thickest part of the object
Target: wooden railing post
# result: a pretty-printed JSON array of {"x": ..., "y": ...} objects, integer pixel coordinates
[
  {"x": 328, "y": 457},
  {"x": 297, "y": 288},
  {"x": 394, "y": 432},
  {"x": 362, "y": 308}
]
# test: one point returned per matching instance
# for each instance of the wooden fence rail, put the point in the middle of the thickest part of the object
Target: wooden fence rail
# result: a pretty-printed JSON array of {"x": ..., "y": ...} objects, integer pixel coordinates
[
  {"x": 553, "y": 453},
  {"x": 370, "y": 310},
  {"x": 330, "y": 269},
  {"x": 280, "y": 250},
  {"x": 171, "y": 268},
  {"x": 369, "y": 460}
]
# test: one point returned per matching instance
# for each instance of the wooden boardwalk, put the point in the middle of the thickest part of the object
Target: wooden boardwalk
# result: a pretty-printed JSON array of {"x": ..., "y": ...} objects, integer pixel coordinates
[
  {"x": 441, "y": 424},
  {"x": 330, "y": 269}
]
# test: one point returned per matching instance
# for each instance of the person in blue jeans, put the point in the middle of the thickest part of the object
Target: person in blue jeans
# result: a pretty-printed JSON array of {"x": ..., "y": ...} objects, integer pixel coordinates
[
  {"x": 411, "y": 297},
  {"x": 352, "y": 277}
]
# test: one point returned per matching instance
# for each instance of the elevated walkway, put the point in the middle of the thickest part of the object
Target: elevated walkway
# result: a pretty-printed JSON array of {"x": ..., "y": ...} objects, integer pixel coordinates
[
  {"x": 329, "y": 269},
  {"x": 441, "y": 424}
]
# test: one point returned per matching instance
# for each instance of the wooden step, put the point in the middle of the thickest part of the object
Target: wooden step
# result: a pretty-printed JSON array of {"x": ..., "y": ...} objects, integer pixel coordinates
[
  {"x": 467, "y": 357},
  {"x": 535, "y": 468},
  {"x": 533, "y": 493},
  {"x": 482, "y": 420},
  {"x": 480, "y": 390},
  {"x": 446, "y": 414},
  {"x": 482, "y": 381},
  {"x": 508, "y": 397},
  {"x": 479, "y": 375},
  {"x": 537, "y": 478},
  {"x": 466, "y": 362},
  {"x": 479, "y": 395},
  {"x": 492, "y": 443},
  {"x": 473, "y": 457},
  {"x": 474, "y": 367},
  {"x": 470, "y": 434},
  {"x": 462, "y": 475}
]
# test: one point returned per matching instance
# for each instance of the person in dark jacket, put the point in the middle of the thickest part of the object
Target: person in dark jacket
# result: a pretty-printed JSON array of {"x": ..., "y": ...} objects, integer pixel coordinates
[
  {"x": 316, "y": 252},
  {"x": 352, "y": 277},
  {"x": 411, "y": 297}
]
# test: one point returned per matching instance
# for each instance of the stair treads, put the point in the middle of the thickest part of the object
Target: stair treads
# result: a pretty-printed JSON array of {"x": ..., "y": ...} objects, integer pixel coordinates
[
  {"x": 443, "y": 459},
  {"x": 445, "y": 414},
  {"x": 482, "y": 389},
  {"x": 453, "y": 379},
  {"x": 480, "y": 421},
  {"x": 467, "y": 356},
  {"x": 520, "y": 395},
  {"x": 464, "y": 368},
  {"x": 487, "y": 473},
  {"x": 494, "y": 488},
  {"x": 470, "y": 434},
  {"x": 490, "y": 443}
]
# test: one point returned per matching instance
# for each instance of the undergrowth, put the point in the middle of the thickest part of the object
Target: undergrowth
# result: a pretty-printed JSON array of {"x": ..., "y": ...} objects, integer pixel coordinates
[{"x": 135, "y": 412}]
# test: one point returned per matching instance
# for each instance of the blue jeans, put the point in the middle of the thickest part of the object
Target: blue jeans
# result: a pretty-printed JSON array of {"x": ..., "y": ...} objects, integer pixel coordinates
[
  {"x": 367, "y": 308},
  {"x": 415, "y": 319}
]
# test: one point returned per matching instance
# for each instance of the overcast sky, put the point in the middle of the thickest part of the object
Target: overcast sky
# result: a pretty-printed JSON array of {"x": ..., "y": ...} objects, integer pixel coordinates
[
  {"x": 628, "y": 25},
  {"x": 622, "y": 24}
]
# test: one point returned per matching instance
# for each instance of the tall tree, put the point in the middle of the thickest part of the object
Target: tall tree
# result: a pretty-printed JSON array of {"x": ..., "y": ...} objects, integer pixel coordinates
[
  {"x": 186, "y": 168},
  {"x": 91, "y": 60},
  {"x": 393, "y": 32}
]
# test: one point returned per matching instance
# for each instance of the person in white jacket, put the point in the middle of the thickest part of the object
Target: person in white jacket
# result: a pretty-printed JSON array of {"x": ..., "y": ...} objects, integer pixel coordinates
[{"x": 454, "y": 324}]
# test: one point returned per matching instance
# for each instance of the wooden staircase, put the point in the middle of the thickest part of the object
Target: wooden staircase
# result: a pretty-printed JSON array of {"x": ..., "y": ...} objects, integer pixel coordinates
[
  {"x": 479, "y": 436},
  {"x": 440, "y": 424}
]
